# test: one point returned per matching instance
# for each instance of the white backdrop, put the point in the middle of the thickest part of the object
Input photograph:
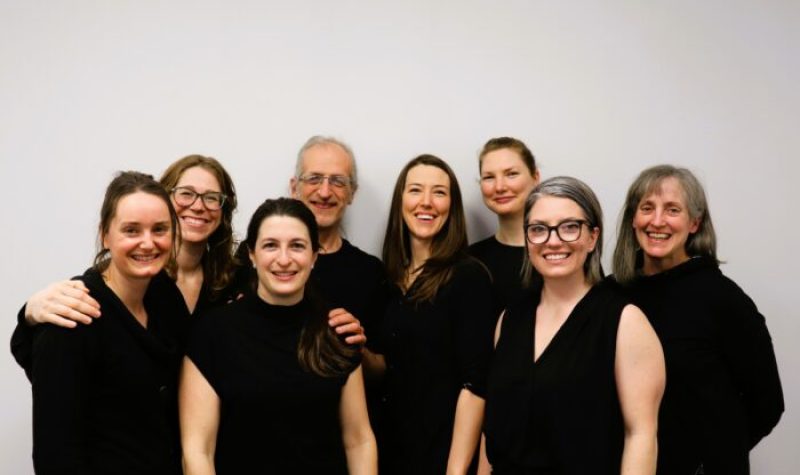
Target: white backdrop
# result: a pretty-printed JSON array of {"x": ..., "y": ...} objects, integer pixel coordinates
[{"x": 598, "y": 89}]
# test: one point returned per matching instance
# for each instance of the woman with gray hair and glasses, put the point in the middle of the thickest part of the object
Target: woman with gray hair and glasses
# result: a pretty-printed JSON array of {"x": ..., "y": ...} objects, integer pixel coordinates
[
  {"x": 723, "y": 393},
  {"x": 578, "y": 371}
]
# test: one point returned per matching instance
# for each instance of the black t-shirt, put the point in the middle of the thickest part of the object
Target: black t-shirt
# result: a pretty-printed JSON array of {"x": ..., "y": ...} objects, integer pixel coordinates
[
  {"x": 275, "y": 417},
  {"x": 505, "y": 264}
]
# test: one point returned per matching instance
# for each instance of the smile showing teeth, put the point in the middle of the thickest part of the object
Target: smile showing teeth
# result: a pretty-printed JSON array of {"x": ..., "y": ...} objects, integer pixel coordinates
[
  {"x": 425, "y": 217},
  {"x": 658, "y": 235},
  {"x": 555, "y": 257},
  {"x": 147, "y": 258},
  {"x": 194, "y": 221}
]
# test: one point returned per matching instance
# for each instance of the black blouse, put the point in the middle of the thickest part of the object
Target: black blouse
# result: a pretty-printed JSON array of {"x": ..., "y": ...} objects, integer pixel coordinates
[
  {"x": 433, "y": 350},
  {"x": 560, "y": 414}
]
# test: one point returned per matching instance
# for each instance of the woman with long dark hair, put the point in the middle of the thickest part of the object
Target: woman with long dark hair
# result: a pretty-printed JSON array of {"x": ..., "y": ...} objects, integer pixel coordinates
[
  {"x": 723, "y": 390},
  {"x": 269, "y": 364},
  {"x": 436, "y": 334}
]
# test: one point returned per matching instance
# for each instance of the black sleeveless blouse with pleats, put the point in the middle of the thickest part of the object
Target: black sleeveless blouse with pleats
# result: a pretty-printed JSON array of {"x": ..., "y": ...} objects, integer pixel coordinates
[{"x": 559, "y": 414}]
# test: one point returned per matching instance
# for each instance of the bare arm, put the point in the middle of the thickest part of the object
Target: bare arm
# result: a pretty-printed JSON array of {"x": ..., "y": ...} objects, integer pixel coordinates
[
  {"x": 640, "y": 373},
  {"x": 484, "y": 467},
  {"x": 466, "y": 432},
  {"x": 62, "y": 303},
  {"x": 199, "y": 420},
  {"x": 359, "y": 441}
]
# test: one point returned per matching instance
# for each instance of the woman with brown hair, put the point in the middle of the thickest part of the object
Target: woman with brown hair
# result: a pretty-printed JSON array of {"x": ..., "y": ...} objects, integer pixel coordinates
[
  {"x": 437, "y": 330},
  {"x": 269, "y": 364},
  {"x": 508, "y": 173},
  {"x": 104, "y": 394}
]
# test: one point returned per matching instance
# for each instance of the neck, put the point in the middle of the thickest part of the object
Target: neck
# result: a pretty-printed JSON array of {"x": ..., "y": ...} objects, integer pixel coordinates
[
  {"x": 130, "y": 292},
  {"x": 190, "y": 258},
  {"x": 565, "y": 291},
  {"x": 509, "y": 230},
  {"x": 330, "y": 240},
  {"x": 652, "y": 266}
]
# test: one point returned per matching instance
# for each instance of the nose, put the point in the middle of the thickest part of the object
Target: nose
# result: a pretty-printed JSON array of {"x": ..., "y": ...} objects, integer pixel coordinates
[
  {"x": 198, "y": 205},
  {"x": 658, "y": 218},
  {"x": 324, "y": 189},
  {"x": 553, "y": 239},
  {"x": 283, "y": 257},
  {"x": 499, "y": 184},
  {"x": 147, "y": 240},
  {"x": 426, "y": 199}
]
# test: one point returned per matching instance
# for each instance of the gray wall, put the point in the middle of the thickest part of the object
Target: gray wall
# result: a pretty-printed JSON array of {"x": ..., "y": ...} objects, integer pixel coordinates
[{"x": 599, "y": 90}]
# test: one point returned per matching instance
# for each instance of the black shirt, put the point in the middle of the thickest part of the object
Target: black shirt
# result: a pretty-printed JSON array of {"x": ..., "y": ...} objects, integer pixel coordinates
[
  {"x": 433, "y": 350},
  {"x": 723, "y": 391},
  {"x": 560, "y": 414},
  {"x": 275, "y": 417},
  {"x": 104, "y": 395}
]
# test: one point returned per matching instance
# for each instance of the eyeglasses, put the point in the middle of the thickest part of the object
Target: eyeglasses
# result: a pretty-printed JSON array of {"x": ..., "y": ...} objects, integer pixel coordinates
[
  {"x": 567, "y": 231},
  {"x": 185, "y": 196},
  {"x": 339, "y": 181}
]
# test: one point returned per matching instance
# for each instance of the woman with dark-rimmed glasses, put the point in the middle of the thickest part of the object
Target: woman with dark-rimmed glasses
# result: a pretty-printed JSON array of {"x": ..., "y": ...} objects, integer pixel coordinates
[{"x": 578, "y": 372}]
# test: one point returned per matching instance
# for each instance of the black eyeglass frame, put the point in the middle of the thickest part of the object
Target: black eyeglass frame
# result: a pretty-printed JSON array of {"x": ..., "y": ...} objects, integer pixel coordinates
[
  {"x": 202, "y": 196},
  {"x": 550, "y": 230}
]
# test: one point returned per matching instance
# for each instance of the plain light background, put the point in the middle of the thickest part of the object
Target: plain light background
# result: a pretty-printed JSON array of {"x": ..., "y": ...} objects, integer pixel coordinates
[{"x": 598, "y": 90}]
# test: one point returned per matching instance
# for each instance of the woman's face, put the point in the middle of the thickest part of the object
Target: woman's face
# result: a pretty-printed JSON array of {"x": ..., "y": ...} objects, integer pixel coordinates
[
  {"x": 662, "y": 226},
  {"x": 426, "y": 202},
  {"x": 139, "y": 237},
  {"x": 506, "y": 181},
  {"x": 196, "y": 220},
  {"x": 553, "y": 258},
  {"x": 283, "y": 258}
]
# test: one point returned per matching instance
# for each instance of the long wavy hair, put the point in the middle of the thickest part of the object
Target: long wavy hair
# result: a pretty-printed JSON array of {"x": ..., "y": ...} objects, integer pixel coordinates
[
  {"x": 218, "y": 261},
  {"x": 628, "y": 254},
  {"x": 319, "y": 350},
  {"x": 124, "y": 184},
  {"x": 448, "y": 246}
]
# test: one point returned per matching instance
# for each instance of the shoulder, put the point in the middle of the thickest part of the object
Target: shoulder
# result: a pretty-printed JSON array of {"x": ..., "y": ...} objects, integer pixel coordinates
[
  {"x": 469, "y": 267},
  {"x": 479, "y": 247},
  {"x": 356, "y": 254}
]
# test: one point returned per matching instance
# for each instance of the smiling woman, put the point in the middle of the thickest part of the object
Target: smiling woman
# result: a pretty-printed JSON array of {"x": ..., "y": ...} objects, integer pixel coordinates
[
  {"x": 269, "y": 364},
  {"x": 104, "y": 394},
  {"x": 436, "y": 333}
]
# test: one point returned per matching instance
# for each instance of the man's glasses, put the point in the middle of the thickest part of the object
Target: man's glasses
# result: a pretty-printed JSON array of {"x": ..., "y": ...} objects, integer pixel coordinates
[
  {"x": 338, "y": 181},
  {"x": 185, "y": 196},
  {"x": 567, "y": 231}
]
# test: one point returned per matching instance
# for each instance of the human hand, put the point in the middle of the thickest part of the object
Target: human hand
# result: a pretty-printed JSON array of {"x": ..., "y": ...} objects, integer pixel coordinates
[
  {"x": 63, "y": 303},
  {"x": 344, "y": 323}
]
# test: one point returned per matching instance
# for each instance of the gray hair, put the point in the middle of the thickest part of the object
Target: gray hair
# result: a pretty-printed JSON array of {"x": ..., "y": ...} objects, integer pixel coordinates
[
  {"x": 327, "y": 140},
  {"x": 701, "y": 243},
  {"x": 580, "y": 193}
]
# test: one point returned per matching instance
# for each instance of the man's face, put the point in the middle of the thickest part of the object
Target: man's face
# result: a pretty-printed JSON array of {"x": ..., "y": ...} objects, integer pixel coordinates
[{"x": 326, "y": 200}]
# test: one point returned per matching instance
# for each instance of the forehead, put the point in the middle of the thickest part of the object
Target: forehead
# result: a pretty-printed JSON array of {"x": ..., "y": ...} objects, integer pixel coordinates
[
  {"x": 141, "y": 207},
  {"x": 668, "y": 189},
  {"x": 283, "y": 228},
  {"x": 427, "y": 175},
  {"x": 501, "y": 159},
  {"x": 552, "y": 209},
  {"x": 201, "y": 179},
  {"x": 327, "y": 159}
]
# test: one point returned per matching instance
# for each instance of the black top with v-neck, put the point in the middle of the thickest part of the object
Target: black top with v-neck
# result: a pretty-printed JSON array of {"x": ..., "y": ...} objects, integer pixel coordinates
[
  {"x": 104, "y": 395},
  {"x": 560, "y": 414}
]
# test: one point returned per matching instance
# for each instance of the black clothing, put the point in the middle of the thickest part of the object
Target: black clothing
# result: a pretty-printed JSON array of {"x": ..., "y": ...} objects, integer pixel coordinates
[
  {"x": 723, "y": 392},
  {"x": 354, "y": 280},
  {"x": 105, "y": 394},
  {"x": 275, "y": 417},
  {"x": 505, "y": 264},
  {"x": 433, "y": 350},
  {"x": 560, "y": 414}
]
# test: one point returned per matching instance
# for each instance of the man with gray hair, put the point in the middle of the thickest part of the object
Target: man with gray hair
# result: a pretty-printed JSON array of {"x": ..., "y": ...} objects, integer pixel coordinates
[{"x": 325, "y": 180}]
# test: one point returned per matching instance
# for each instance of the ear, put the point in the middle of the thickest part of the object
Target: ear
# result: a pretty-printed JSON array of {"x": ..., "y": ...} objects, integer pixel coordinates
[
  {"x": 595, "y": 235},
  {"x": 103, "y": 238},
  {"x": 694, "y": 225},
  {"x": 252, "y": 256},
  {"x": 293, "y": 187},
  {"x": 314, "y": 259},
  {"x": 536, "y": 178}
]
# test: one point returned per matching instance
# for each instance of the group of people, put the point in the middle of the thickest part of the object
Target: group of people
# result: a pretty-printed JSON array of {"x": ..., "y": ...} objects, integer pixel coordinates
[{"x": 300, "y": 353}]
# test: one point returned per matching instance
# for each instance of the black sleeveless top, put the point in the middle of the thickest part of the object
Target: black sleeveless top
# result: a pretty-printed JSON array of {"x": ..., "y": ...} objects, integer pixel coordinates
[{"x": 561, "y": 414}]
